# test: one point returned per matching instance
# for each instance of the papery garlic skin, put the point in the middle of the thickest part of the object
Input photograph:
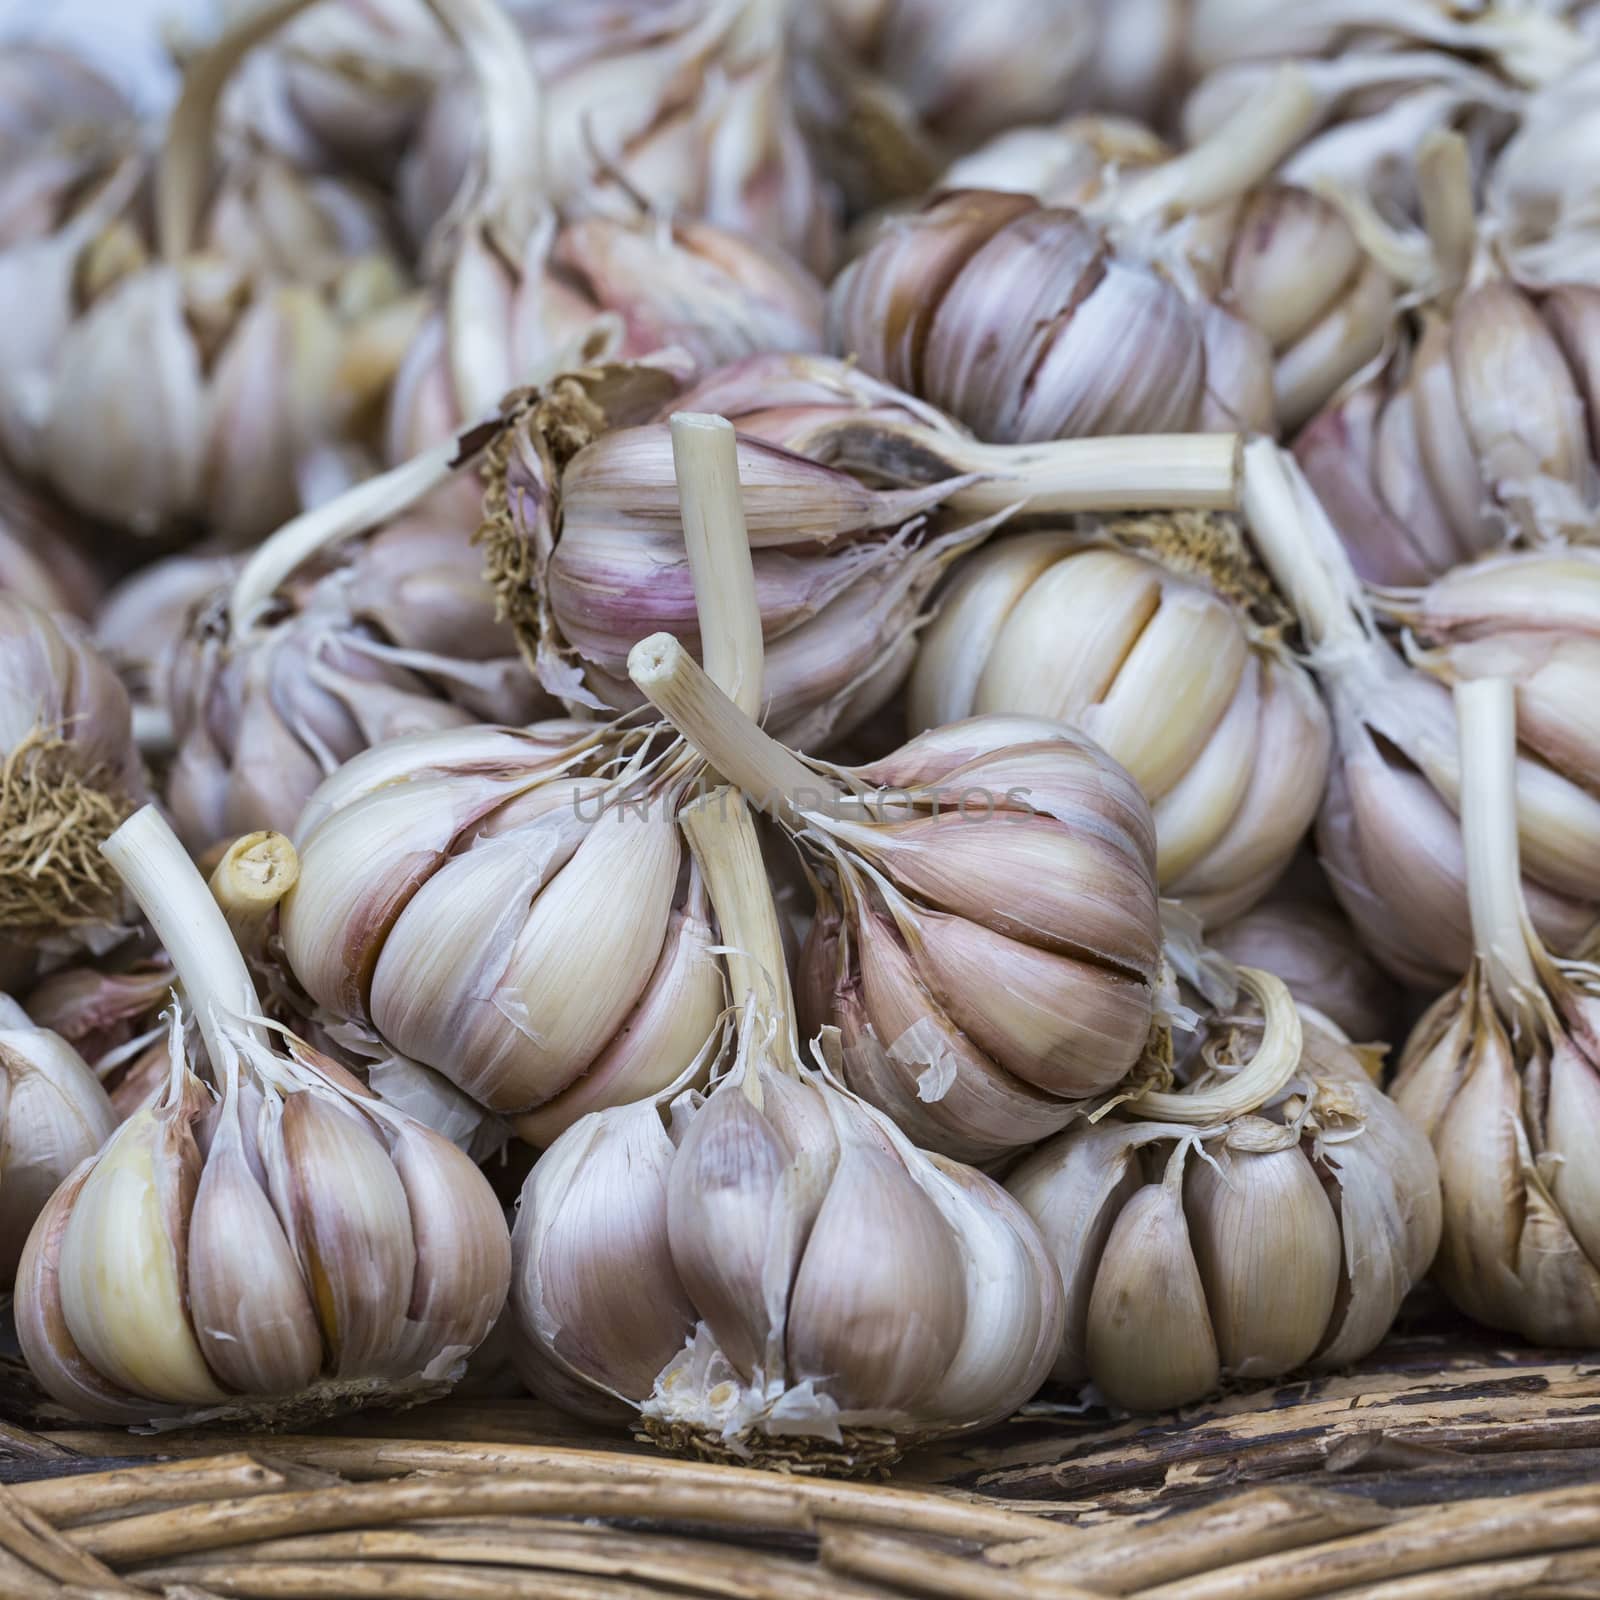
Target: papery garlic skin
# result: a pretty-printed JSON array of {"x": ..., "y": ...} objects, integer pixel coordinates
[
  {"x": 1285, "y": 1238},
  {"x": 1218, "y": 724},
  {"x": 53, "y": 1115},
  {"x": 69, "y": 772},
  {"x": 400, "y": 638},
  {"x": 961, "y": 301}
]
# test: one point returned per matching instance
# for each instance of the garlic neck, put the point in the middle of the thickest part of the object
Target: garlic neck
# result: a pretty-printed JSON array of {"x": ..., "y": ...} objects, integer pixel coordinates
[
  {"x": 1502, "y": 935},
  {"x": 190, "y": 925},
  {"x": 183, "y": 171},
  {"x": 773, "y": 778},
  {"x": 256, "y": 872},
  {"x": 723, "y": 839},
  {"x": 1300, "y": 549}
]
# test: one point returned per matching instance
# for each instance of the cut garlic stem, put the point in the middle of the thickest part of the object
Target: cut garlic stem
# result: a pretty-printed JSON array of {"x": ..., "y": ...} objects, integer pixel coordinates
[
  {"x": 723, "y": 839},
  {"x": 705, "y": 461},
  {"x": 1137, "y": 472},
  {"x": 1275, "y": 1062},
  {"x": 354, "y": 512},
  {"x": 183, "y": 172},
  {"x": 190, "y": 924},
  {"x": 1241, "y": 152},
  {"x": 254, "y": 874},
  {"x": 1486, "y": 719},
  {"x": 774, "y": 779},
  {"x": 1300, "y": 549}
]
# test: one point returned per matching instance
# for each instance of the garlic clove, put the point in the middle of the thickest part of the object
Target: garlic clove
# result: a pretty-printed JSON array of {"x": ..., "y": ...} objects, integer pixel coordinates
[
  {"x": 345, "y": 1211},
  {"x": 252, "y": 1313},
  {"x": 1291, "y": 256},
  {"x": 664, "y": 1032},
  {"x": 53, "y": 1113},
  {"x": 974, "y": 607},
  {"x": 1239, "y": 383},
  {"x": 122, "y": 1272},
  {"x": 1349, "y": 335},
  {"x": 1448, "y": 452},
  {"x": 1268, "y": 1248},
  {"x": 1067, "y": 1027},
  {"x": 463, "y": 1251},
  {"x": 42, "y": 1330},
  {"x": 1407, "y": 489},
  {"x": 876, "y": 1327},
  {"x": 1075, "y": 1189},
  {"x": 1110, "y": 596},
  {"x": 593, "y": 1275},
  {"x": 733, "y": 1235},
  {"x": 1572, "y": 1113},
  {"x": 1148, "y": 1332}
]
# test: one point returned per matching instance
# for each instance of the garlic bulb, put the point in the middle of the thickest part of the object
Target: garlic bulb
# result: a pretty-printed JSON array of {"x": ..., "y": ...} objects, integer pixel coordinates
[
  {"x": 269, "y": 695},
  {"x": 275, "y": 1243},
  {"x": 1313, "y": 948},
  {"x": 1282, "y": 257},
  {"x": 892, "y": 90},
  {"x": 1036, "y": 322},
  {"x": 1157, "y": 658},
  {"x": 1388, "y": 832},
  {"x": 1501, "y": 1075},
  {"x": 1270, "y": 1214},
  {"x": 510, "y": 907},
  {"x": 783, "y": 1276},
  {"x": 60, "y": 125},
  {"x": 53, "y": 1114},
  {"x": 687, "y": 103},
  {"x": 69, "y": 773},
  {"x": 989, "y": 943},
  {"x": 186, "y": 376}
]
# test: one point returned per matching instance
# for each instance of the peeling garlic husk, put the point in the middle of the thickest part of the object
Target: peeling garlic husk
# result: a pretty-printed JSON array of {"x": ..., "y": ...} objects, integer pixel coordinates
[
  {"x": 235, "y": 303},
  {"x": 801, "y": 1283},
  {"x": 69, "y": 773},
  {"x": 988, "y": 944},
  {"x": 536, "y": 937},
  {"x": 53, "y": 1115},
  {"x": 1141, "y": 635},
  {"x": 1388, "y": 833},
  {"x": 275, "y": 1244},
  {"x": 1270, "y": 1214},
  {"x": 891, "y": 91},
  {"x": 395, "y": 633},
  {"x": 1501, "y": 1075},
  {"x": 857, "y": 498}
]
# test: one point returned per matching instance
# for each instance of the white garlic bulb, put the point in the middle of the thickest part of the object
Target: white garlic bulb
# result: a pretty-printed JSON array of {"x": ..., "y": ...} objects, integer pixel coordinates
[
  {"x": 1388, "y": 833},
  {"x": 1269, "y": 1214},
  {"x": 53, "y": 1114},
  {"x": 782, "y": 1276},
  {"x": 992, "y": 945},
  {"x": 1143, "y": 637},
  {"x": 1503, "y": 1076},
  {"x": 275, "y": 1242}
]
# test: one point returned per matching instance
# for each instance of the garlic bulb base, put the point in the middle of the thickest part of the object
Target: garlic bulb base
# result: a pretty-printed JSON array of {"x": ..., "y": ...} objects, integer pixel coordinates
[{"x": 856, "y": 1453}]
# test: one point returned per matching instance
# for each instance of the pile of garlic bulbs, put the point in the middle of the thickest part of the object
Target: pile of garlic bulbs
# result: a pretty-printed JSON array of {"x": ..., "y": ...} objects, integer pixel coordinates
[{"x": 830, "y": 636}]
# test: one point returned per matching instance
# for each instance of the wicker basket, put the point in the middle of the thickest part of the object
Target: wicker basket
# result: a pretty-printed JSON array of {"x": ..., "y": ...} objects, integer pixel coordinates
[{"x": 1438, "y": 1468}]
